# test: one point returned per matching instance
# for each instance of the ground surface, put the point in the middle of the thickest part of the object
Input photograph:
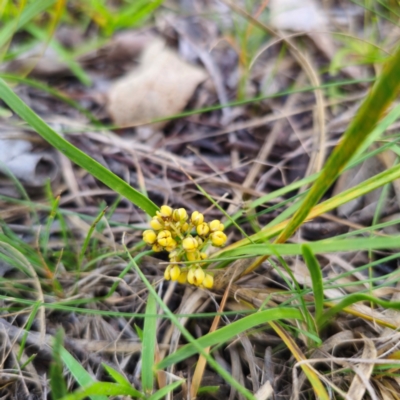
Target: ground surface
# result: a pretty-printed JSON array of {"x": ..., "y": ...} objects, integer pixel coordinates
[{"x": 100, "y": 89}]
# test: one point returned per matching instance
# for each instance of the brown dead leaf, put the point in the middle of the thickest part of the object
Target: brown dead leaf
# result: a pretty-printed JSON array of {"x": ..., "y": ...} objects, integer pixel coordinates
[
  {"x": 161, "y": 86},
  {"x": 297, "y": 16},
  {"x": 360, "y": 382}
]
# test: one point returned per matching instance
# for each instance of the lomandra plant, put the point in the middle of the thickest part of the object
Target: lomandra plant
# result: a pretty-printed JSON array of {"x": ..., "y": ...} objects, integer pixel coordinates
[
  {"x": 186, "y": 237},
  {"x": 172, "y": 232}
]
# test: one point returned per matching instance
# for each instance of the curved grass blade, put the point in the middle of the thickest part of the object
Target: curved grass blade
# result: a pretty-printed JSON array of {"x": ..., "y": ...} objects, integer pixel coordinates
[
  {"x": 118, "y": 378},
  {"x": 372, "y": 109},
  {"x": 165, "y": 390},
  {"x": 77, "y": 156},
  {"x": 355, "y": 298},
  {"x": 228, "y": 332},
  {"x": 110, "y": 389},
  {"x": 357, "y": 191},
  {"x": 88, "y": 237},
  {"x": 316, "y": 279},
  {"x": 79, "y": 373},
  {"x": 319, "y": 389}
]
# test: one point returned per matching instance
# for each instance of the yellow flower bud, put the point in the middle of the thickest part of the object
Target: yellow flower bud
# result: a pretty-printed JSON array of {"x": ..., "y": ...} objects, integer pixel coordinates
[
  {"x": 171, "y": 245},
  {"x": 208, "y": 282},
  {"x": 193, "y": 256},
  {"x": 149, "y": 236},
  {"x": 173, "y": 255},
  {"x": 164, "y": 238},
  {"x": 190, "y": 244},
  {"x": 199, "y": 240},
  {"x": 185, "y": 227},
  {"x": 165, "y": 211},
  {"x": 197, "y": 218},
  {"x": 167, "y": 273},
  {"x": 203, "y": 256},
  {"x": 218, "y": 238},
  {"x": 199, "y": 276},
  {"x": 156, "y": 224},
  {"x": 175, "y": 272},
  {"x": 182, "y": 277},
  {"x": 202, "y": 229},
  {"x": 216, "y": 225},
  {"x": 190, "y": 276},
  {"x": 157, "y": 248},
  {"x": 180, "y": 215}
]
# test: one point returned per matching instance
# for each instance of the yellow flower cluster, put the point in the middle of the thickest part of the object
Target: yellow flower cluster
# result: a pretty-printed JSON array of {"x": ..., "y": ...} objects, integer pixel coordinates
[{"x": 172, "y": 231}]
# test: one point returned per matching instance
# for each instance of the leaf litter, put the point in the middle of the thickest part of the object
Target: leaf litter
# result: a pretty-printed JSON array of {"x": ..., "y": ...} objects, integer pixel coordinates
[{"x": 190, "y": 61}]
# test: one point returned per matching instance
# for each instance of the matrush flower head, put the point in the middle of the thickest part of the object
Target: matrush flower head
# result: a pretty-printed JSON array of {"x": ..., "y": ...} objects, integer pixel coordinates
[{"x": 185, "y": 239}]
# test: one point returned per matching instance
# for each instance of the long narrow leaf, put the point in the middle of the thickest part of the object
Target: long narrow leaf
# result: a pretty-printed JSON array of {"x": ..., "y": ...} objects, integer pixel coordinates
[
  {"x": 311, "y": 374},
  {"x": 316, "y": 279},
  {"x": 355, "y": 298},
  {"x": 79, "y": 373},
  {"x": 57, "y": 382},
  {"x": 165, "y": 390},
  {"x": 30, "y": 12},
  {"x": 372, "y": 109},
  {"x": 77, "y": 156},
  {"x": 110, "y": 389},
  {"x": 357, "y": 191},
  {"x": 149, "y": 343},
  {"x": 319, "y": 247},
  {"x": 221, "y": 371},
  {"x": 226, "y": 333}
]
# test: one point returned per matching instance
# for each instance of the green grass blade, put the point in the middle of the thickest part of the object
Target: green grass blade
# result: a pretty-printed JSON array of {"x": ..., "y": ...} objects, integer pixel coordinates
[
  {"x": 88, "y": 237},
  {"x": 64, "y": 55},
  {"x": 372, "y": 109},
  {"x": 110, "y": 389},
  {"x": 57, "y": 382},
  {"x": 355, "y": 298},
  {"x": 119, "y": 378},
  {"x": 186, "y": 334},
  {"x": 73, "y": 153},
  {"x": 357, "y": 191},
  {"x": 28, "y": 327},
  {"x": 54, "y": 92},
  {"x": 318, "y": 247},
  {"x": 149, "y": 343},
  {"x": 165, "y": 390},
  {"x": 31, "y": 11},
  {"x": 228, "y": 332},
  {"x": 316, "y": 279},
  {"x": 79, "y": 373},
  {"x": 44, "y": 240}
]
